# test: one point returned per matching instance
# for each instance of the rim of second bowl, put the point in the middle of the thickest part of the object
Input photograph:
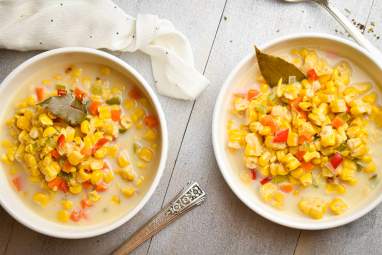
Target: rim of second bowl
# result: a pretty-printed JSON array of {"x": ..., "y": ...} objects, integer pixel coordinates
[
  {"x": 70, "y": 233},
  {"x": 224, "y": 168}
]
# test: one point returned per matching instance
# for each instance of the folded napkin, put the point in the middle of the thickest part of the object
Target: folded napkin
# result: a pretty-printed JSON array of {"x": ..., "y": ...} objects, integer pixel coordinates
[{"x": 48, "y": 24}]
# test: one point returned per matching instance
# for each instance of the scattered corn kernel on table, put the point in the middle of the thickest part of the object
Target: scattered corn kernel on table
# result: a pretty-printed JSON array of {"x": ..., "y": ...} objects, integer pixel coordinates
[{"x": 221, "y": 34}]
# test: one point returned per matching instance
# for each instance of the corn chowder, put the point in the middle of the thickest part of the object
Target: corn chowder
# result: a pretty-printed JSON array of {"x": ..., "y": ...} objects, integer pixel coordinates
[
  {"x": 82, "y": 144},
  {"x": 308, "y": 148}
]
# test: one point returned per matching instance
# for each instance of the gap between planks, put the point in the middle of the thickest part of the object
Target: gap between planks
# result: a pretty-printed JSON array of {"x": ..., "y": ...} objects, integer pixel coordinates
[{"x": 189, "y": 117}]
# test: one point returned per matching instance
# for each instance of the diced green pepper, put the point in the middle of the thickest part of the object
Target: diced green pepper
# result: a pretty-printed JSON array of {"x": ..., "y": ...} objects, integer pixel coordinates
[{"x": 113, "y": 100}]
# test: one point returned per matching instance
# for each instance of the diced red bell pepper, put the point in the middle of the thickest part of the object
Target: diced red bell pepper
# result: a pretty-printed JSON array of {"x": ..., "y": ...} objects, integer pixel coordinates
[
  {"x": 337, "y": 122},
  {"x": 135, "y": 93},
  {"x": 151, "y": 121},
  {"x": 55, "y": 154},
  {"x": 93, "y": 108},
  {"x": 267, "y": 120},
  {"x": 61, "y": 141},
  {"x": 40, "y": 93},
  {"x": 101, "y": 187},
  {"x": 116, "y": 115},
  {"x": 265, "y": 180},
  {"x": 252, "y": 93},
  {"x": 307, "y": 166},
  {"x": 75, "y": 216},
  {"x": 64, "y": 186},
  {"x": 253, "y": 174},
  {"x": 101, "y": 142},
  {"x": 85, "y": 203},
  {"x": 312, "y": 75},
  {"x": 79, "y": 94},
  {"x": 87, "y": 185},
  {"x": 61, "y": 92},
  {"x": 336, "y": 160},
  {"x": 286, "y": 187},
  {"x": 300, "y": 155},
  {"x": 17, "y": 183},
  {"x": 281, "y": 136},
  {"x": 304, "y": 137}
]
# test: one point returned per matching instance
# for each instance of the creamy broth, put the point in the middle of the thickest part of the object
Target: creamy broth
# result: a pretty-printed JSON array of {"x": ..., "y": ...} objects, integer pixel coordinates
[
  {"x": 355, "y": 195},
  {"x": 112, "y": 203}
]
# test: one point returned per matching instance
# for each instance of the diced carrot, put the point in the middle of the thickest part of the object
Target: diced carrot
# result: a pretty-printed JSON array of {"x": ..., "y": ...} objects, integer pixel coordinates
[
  {"x": 307, "y": 166},
  {"x": 79, "y": 94},
  {"x": 116, "y": 115},
  {"x": 135, "y": 93},
  {"x": 252, "y": 93},
  {"x": 101, "y": 187},
  {"x": 75, "y": 216},
  {"x": 312, "y": 75},
  {"x": 93, "y": 108},
  {"x": 300, "y": 155},
  {"x": 151, "y": 121},
  {"x": 40, "y": 92},
  {"x": 337, "y": 122},
  {"x": 286, "y": 187},
  {"x": 101, "y": 142},
  {"x": 55, "y": 154},
  {"x": 304, "y": 137},
  {"x": 85, "y": 203},
  {"x": 17, "y": 183},
  {"x": 267, "y": 120}
]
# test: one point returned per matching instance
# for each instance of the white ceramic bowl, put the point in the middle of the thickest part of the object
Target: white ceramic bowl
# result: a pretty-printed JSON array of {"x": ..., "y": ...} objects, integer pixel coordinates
[
  {"x": 11, "y": 202},
  {"x": 341, "y": 47}
]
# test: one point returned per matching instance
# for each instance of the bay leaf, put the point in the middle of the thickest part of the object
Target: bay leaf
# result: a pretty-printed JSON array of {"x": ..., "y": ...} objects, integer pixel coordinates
[
  {"x": 67, "y": 108},
  {"x": 274, "y": 68}
]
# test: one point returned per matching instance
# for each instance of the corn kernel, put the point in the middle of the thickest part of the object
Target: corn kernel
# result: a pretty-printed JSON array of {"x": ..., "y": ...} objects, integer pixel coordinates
[
  {"x": 67, "y": 204},
  {"x": 96, "y": 177},
  {"x": 45, "y": 120},
  {"x": 145, "y": 154},
  {"x": 314, "y": 207},
  {"x": 338, "y": 206},
  {"x": 76, "y": 189},
  {"x": 128, "y": 191},
  {"x": 94, "y": 196},
  {"x": 116, "y": 199},
  {"x": 63, "y": 216},
  {"x": 75, "y": 157},
  {"x": 41, "y": 199},
  {"x": 85, "y": 127},
  {"x": 49, "y": 131},
  {"x": 122, "y": 159}
]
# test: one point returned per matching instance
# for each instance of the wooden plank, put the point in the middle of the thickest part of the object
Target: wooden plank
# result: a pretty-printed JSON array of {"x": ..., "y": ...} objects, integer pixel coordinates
[
  {"x": 224, "y": 225},
  {"x": 363, "y": 236},
  {"x": 200, "y": 29}
]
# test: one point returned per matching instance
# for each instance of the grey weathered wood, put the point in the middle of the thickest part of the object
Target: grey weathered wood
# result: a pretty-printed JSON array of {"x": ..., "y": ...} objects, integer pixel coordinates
[{"x": 223, "y": 225}]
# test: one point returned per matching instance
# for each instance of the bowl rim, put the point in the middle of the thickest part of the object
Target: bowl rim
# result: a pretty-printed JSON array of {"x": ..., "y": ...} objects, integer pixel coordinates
[
  {"x": 224, "y": 169},
  {"x": 73, "y": 233}
]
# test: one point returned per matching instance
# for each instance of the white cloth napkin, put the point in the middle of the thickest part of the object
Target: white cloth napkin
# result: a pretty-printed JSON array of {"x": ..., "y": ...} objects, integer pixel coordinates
[{"x": 48, "y": 24}]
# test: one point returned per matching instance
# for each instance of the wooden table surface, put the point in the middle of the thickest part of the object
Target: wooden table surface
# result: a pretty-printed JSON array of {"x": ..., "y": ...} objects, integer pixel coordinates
[{"x": 221, "y": 32}]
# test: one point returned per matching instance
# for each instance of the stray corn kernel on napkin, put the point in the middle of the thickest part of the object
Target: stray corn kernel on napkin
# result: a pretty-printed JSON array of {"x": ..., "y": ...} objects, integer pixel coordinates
[{"x": 47, "y": 24}]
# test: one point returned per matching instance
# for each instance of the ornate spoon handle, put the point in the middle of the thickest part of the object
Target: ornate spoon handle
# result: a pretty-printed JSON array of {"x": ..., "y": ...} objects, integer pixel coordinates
[{"x": 192, "y": 195}]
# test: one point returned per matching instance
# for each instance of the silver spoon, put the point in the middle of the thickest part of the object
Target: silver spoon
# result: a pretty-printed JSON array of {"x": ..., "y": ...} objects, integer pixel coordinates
[{"x": 350, "y": 28}]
